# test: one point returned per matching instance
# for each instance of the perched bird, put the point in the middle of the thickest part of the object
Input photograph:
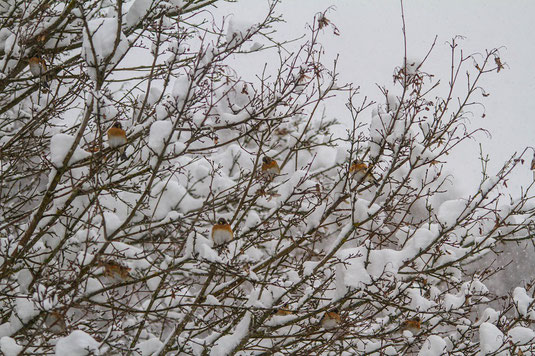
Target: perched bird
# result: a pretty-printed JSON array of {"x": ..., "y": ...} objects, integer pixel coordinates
[
  {"x": 283, "y": 311},
  {"x": 117, "y": 138},
  {"x": 413, "y": 325},
  {"x": 331, "y": 319},
  {"x": 38, "y": 68},
  {"x": 270, "y": 167},
  {"x": 358, "y": 169},
  {"x": 222, "y": 232}
]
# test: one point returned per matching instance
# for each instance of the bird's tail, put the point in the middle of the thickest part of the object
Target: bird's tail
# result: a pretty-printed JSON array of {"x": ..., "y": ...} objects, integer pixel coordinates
[
  {"x": 44, "y": 83},
  {"x": 371, "y": 179},
  {"x": 123, "y": 154}
]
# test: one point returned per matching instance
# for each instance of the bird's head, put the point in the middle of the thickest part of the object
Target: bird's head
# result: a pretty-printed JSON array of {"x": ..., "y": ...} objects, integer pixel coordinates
[{"x": 222, "y": 221}]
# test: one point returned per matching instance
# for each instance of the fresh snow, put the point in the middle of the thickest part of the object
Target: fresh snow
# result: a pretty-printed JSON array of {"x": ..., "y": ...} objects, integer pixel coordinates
[
  {"x": 9, "y": 346},
  {"x": 78, "y": 343},
  {"x": 60, "y": 145}
]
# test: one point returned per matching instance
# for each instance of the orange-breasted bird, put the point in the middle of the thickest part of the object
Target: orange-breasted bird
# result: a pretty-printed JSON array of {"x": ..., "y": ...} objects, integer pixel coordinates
[
  {"x": 283, "y": 311},
  {"x": 358, "y": 169},
  {"x": 117, "y": 138},
  {"x": 331, "y": 319},
  {"x": 222, "y": 232},
  {"x": 38, "y": 68},
  {"x": 270, "y": 167},
  {"x": 413, "y": 325}
]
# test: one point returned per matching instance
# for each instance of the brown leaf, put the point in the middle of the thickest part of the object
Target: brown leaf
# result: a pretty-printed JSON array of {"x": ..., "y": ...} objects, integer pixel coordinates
[
  {"x": 498, "y": 62},
  {"x": 323, "y": 21}
]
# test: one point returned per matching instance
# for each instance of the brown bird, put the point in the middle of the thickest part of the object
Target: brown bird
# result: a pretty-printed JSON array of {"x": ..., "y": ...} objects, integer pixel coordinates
[
  {"x": 358, "y": 169},
  {"x": 331, "y": 319},
  {"x": 222, "y": 232},
  {"x": 413, "y": 325},
  {"x": 38, "y": 68},
  {"x": 270, "y": 167},
  {"x": 117, "y": 138},
  {"x": 283, "y": 311}
]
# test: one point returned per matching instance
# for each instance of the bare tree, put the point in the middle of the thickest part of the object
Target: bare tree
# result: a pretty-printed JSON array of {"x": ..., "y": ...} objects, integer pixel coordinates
[{"x": 127, "y": 139}]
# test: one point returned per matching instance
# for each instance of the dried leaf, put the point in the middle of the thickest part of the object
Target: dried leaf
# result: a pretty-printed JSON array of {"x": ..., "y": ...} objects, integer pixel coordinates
[{"x": 498, "y": 62}]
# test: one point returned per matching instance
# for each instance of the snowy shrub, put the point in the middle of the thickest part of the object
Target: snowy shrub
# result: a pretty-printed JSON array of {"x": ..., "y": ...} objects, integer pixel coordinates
[{"x": 343, "y": 244}]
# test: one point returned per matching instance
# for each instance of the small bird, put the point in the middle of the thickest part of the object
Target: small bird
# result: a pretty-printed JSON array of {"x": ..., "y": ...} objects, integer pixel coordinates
[
  {"x": 270, "y": 167},
  {"x": 331, "y": 319},
  {"x": 413, "y": 325},
  {"x": 358, "y": 169},
  {"x": 117, "y": 138},
  {"x": 222, "y": 232},
  {"x": 38, "y": 68},
  {"x": 283, "y": 311}
]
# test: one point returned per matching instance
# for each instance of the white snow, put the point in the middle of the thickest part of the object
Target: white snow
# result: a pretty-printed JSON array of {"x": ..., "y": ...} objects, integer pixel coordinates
[
  {"x": 413, "y": 65},
  {"x": 168, "y": 196},
  {"x": 490, "y": 338},
  {"x": 521, "y": 335},
  {"x": 420, "y": 240},
  {"x": 225, "y": 344},
  {"x": 60, "y": 145},
  {"x": 4, "y": 35},
  {"x": 92, "y": 286},
  {"x": 355, "y": 274},
  {"x": 308, "y": 267},
  {"x": 385, "y": 261},
  {"x": 478, "y": 287},
  {"x": 26, "y": 309},
  {"x": 488, "y": 184},
  {"x": 78, "y": 343},
  {"x": 524, "y": 303},
  {"x": 252, "y": 220},
  {"x": 229, "y": 118},
  {"x": 206, "y": 252},
  {"x": 420, "y": 154},
  {"x": 237, "y": 30},
  {"x": 135, "y": 256},
  {"x": 138, "y": 10},
  {"x": 362, "y": 211},
  {"x": 155, "y": 92},
  {"x": 453, "y": 302},
  {"x": 113, "y": 222},
  {"x": 180, "y": 88},
  {"x": 450, "y": 210},
  {"x": 159, "y": 132},
  {"x": 9, "y": 346},
  {"x": 150, "y": 347},
  {"x": 419, "y": 302},
  {"x": 434, "y": 345},
  {"x": 489, "y": 315},
  {"x": 24, "y": 278},
  {"x": 99, "y": 44}
]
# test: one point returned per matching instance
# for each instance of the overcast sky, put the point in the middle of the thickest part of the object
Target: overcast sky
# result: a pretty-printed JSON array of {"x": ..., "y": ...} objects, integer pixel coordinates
[{"x": 370, "y": 46}]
